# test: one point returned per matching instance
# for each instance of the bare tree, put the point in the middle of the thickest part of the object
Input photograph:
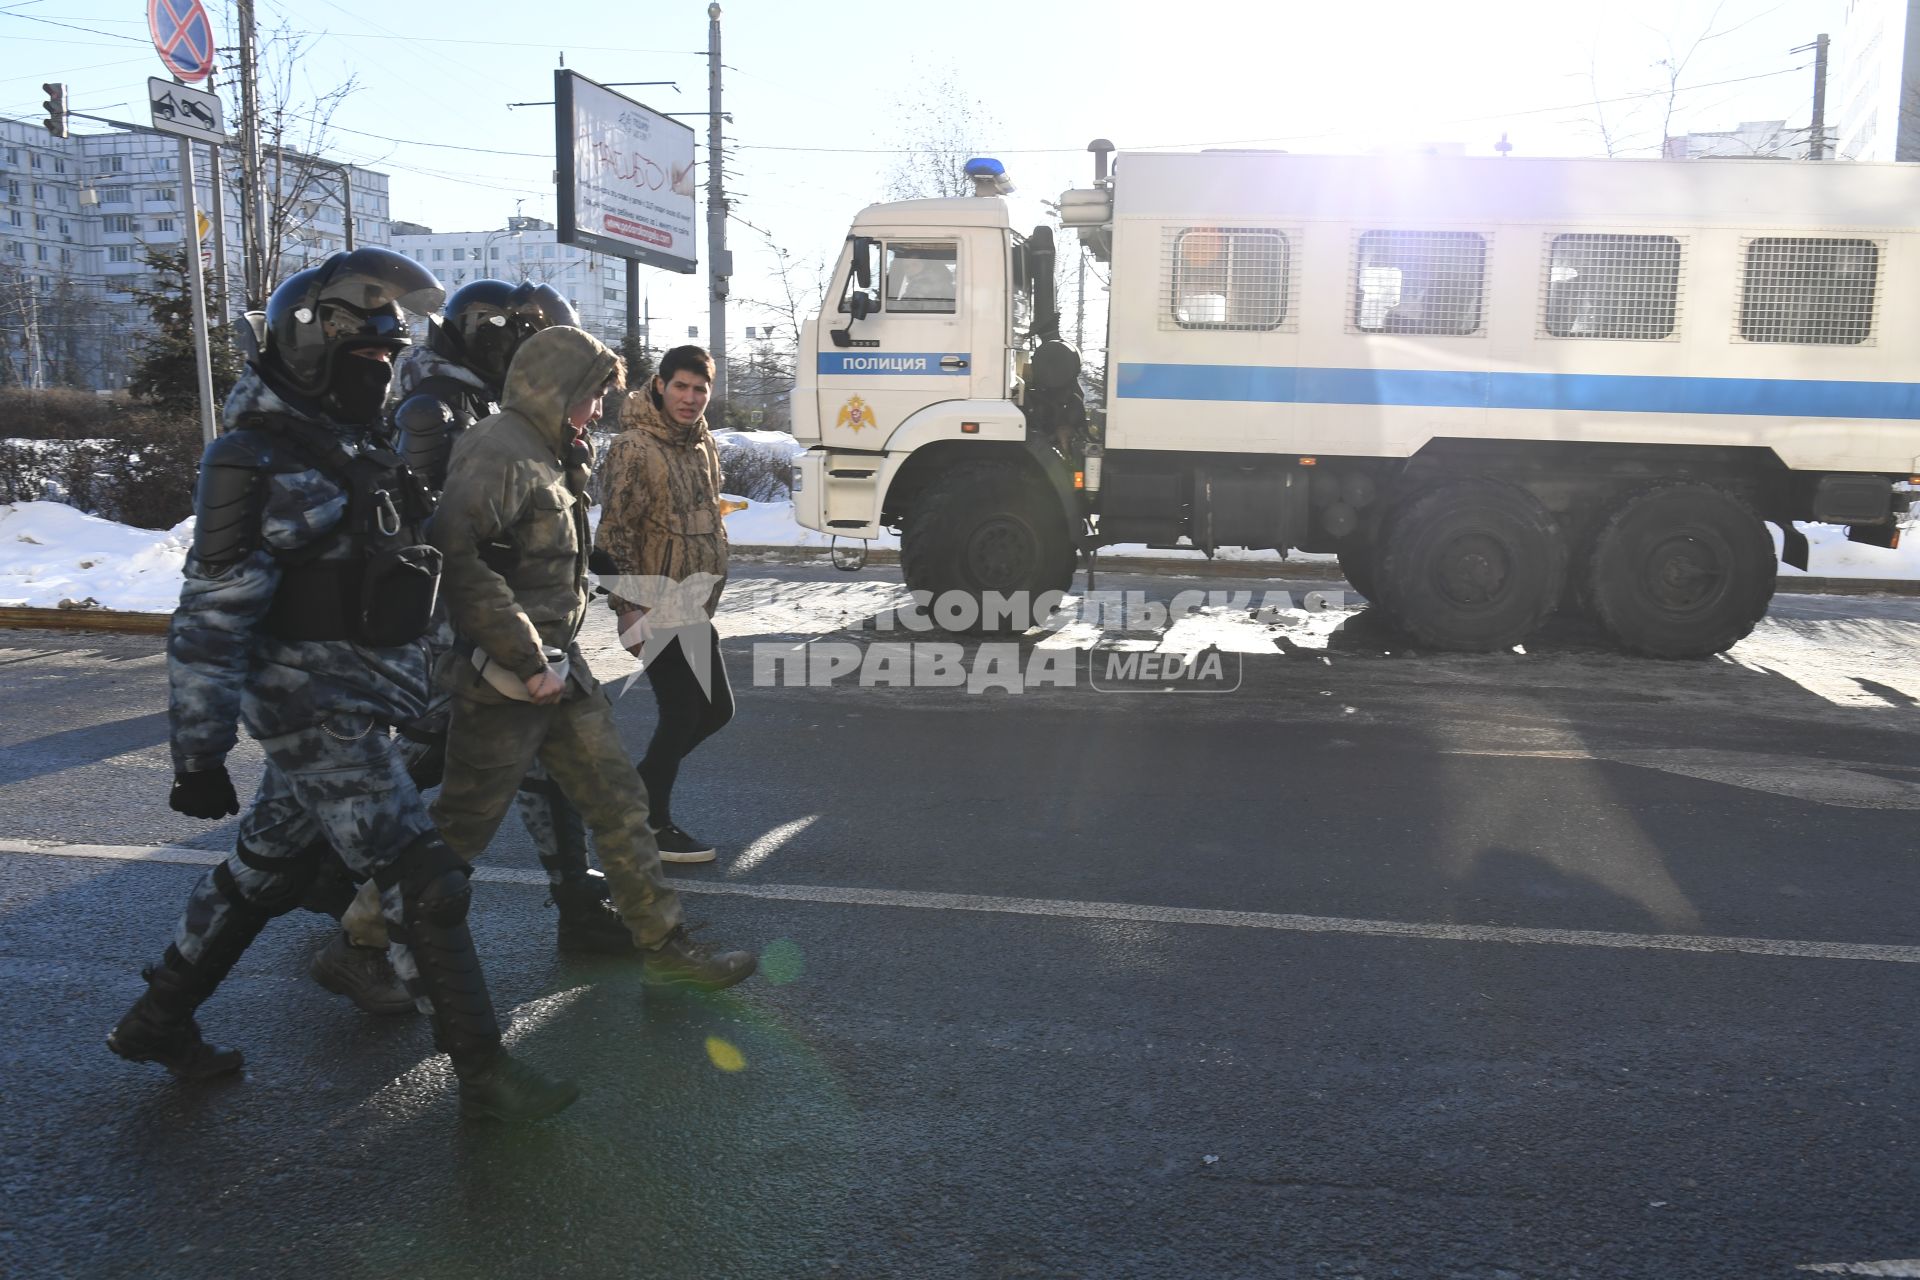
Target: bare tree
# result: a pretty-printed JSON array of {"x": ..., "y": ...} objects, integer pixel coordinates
[
  {"x": 943, "y": 126},
  {"x": 294, "y": 136},
  {"x": 1641, "y": 119}
]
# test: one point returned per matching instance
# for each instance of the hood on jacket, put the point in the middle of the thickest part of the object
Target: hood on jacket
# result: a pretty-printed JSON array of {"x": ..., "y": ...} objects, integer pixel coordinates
[
  {"x": 640, "y": 413},
  {"x": 554, "y": 370}
]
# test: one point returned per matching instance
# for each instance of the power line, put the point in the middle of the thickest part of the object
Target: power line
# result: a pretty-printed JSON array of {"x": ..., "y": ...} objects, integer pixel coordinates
[{"x": 111, "y": 35}]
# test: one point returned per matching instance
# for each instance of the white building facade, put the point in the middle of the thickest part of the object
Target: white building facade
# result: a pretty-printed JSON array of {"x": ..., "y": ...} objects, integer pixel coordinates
[
  {"x": 526, "y": 249},
  {"x": 1873, "y": 81},
  {"x": 78, "y": 214}
]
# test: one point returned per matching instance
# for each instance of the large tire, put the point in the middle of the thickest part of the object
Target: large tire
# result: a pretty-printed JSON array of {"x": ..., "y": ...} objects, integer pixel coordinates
[
  {"x": 1472, "y": 565},
  {"x": 1681, "y": 571},
  {"x": 1358, "y": 561},
  {"x": 987, "y": 527}
]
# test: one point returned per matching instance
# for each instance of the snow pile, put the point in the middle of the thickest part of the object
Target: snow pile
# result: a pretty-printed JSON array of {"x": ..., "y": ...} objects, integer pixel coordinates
[
  {"x": 1830, "y": 555},
  {"x": 52, "y": 555}
]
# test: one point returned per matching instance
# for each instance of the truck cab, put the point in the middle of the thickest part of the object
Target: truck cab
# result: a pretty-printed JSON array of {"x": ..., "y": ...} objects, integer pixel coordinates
[{"x": 914, "y": 391}]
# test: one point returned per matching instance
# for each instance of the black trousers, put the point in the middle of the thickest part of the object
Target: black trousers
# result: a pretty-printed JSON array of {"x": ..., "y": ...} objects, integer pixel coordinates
[{"x": 689, "y": 715}]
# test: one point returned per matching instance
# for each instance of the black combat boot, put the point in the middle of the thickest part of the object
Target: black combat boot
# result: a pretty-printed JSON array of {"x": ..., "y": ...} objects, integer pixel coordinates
[
  {"x": 493, "y": 1086},
  {"x": 160, "y": 1026},
  {"x": 501, "y": 1087},
  {"x": 363, "y": 975},
  {"x": 683, "y": 964},
  {"x": 588, "y": 922}
]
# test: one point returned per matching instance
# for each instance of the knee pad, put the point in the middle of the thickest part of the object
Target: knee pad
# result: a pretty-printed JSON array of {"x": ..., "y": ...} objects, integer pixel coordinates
[
  {"x": 433, "y": 879},
  {"x": 287, "y": 885}
]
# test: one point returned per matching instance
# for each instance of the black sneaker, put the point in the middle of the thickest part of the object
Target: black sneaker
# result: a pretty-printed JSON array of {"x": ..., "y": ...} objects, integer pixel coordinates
[
  {"x": 148, "y": 1035},
  {"x": 680, "y": 962},
  {"x": 363, "y": 975},
  {"x": 509, "y": 1090},
  {"x": 677, "y": 846}
]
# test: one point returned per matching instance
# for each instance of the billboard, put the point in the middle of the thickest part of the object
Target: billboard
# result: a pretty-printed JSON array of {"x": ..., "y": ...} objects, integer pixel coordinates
[{"x": 625, "y": 176}]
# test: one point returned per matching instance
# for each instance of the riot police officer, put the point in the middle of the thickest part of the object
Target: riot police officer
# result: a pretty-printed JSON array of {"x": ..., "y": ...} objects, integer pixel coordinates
[
  {"x": 307, "y": 593},
  {"x": 440, "y": 389}
]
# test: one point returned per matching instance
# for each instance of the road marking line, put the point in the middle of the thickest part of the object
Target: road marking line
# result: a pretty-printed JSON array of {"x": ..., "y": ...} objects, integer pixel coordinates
[
  {"x": 1889, "y": 1267},
  {"x": 1134, "y": 913}
]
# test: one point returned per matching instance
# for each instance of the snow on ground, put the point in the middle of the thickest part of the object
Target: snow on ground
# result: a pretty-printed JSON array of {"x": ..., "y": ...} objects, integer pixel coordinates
[{"x": 51, "y": 554}]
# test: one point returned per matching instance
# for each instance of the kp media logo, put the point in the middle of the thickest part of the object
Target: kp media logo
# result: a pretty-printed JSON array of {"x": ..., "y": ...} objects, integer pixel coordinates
[{"x": 1125, "y": 667}]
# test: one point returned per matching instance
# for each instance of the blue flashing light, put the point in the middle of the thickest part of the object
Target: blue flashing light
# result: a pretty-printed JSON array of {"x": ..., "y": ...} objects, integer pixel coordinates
[{"x": 985, "y": 167}]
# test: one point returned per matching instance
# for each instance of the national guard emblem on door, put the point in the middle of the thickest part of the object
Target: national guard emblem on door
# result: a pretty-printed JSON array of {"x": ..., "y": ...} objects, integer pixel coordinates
[{"x": 855, "y": 414}]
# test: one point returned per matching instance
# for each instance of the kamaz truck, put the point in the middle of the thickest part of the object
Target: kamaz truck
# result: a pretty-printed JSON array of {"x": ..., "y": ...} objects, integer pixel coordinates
[{"x": 1494, "y": 388}]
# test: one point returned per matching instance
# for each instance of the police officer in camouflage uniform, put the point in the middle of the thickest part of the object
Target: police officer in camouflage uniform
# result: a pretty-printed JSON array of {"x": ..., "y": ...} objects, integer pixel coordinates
[
  {"x": 306, "y": 596},
  {"x": 440, "y": 390},
  {"x": 513, "y": 526}
]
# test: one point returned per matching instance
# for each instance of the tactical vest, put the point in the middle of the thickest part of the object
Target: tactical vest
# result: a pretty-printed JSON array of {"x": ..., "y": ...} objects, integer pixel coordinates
[{"x": 370, "y": 579}]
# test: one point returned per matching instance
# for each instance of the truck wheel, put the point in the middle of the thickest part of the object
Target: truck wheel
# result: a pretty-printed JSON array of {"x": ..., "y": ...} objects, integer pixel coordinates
[
  {"x": 1472, "y": 565},
  {"x": 1357, "y": 564},
  {"x": 985, "y": 527},
  {"x": 1681, "y": 571}
]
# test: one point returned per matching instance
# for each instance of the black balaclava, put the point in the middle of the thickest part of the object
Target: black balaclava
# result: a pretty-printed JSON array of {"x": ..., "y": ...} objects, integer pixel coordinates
[{"x": 356, "y": 389}]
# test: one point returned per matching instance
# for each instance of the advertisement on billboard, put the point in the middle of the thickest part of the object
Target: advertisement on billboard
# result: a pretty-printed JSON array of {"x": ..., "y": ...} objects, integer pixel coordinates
[{"x": 626, "y": 185}]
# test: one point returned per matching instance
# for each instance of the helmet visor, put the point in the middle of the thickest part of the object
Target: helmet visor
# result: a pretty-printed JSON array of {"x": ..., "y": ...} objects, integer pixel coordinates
[{"x": 369, "y": 280}]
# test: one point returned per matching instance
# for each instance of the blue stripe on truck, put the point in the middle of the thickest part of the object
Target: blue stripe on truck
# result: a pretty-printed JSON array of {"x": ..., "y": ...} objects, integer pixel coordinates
[{"x": 1463, "y": 389}]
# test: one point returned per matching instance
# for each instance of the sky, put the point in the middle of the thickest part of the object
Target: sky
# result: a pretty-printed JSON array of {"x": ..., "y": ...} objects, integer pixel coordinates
[{"x": 825, "y": 98}]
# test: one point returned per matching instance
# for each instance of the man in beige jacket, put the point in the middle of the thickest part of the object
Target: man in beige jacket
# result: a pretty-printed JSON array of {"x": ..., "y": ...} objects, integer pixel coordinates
[{"x": 662, "y": 531}]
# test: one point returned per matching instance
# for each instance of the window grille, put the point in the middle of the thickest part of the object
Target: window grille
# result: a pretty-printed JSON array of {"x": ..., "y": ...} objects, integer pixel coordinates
[
  {"x": 1806, "y": 289},
  {"x": 1612, "y": 286},
  {"x": 1227, "y": 278},
  {"x": 1419, "y": 282}
]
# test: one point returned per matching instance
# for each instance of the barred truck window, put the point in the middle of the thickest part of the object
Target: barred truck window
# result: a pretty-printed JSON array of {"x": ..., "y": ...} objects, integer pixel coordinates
[
  {"x": 921, "y": 277},
  {"x": 1805, "y": 289},
  {"x": 1612, "y": 286},
  {"x": 1227, "y": 278},
  {"x": 1419, "y": 282}
]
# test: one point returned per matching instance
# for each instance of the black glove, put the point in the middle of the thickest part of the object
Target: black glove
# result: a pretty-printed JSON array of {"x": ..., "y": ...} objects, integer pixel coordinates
[
  {"x": 601, "y": 564},
  {"x": 207, "y": 793}
]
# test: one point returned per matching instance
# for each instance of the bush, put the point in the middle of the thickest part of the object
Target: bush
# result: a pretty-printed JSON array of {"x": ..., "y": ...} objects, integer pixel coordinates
[
  {"x": 762, "y": 474},
  {"x": 104, "y": 456}
]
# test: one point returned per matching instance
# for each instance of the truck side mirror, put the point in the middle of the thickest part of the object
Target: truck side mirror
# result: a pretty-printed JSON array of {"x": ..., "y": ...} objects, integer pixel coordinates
[
  {"x": 863, "y": 262},
  {"x": 860, "y": 305}
]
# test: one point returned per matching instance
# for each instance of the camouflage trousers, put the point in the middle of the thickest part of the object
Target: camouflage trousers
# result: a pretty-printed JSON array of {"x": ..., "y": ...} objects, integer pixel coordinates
[
  {"x": 490, "y": 749},
  {"x": 338, "y": 786},
  {"x": 559, "y": 838}
]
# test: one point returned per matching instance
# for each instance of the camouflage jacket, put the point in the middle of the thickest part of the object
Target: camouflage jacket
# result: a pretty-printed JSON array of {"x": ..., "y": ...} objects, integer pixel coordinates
[
  {"x": 662, "y": 517},
  {"x": 221, "y": 663},
  {"x": 512, "y": 522},
  {"x": 421, "y": 362}
]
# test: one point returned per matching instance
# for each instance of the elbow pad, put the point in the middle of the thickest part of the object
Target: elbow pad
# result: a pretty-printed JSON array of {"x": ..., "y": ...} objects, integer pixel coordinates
[
  {"x": 227, "y": 503},
  {"x": 425, "y": 425}
]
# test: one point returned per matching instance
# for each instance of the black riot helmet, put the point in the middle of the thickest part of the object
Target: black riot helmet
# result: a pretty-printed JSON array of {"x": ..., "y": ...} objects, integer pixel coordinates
[
  {"x": 486, "y": 322},
  {"x": 352, "y": 301}
]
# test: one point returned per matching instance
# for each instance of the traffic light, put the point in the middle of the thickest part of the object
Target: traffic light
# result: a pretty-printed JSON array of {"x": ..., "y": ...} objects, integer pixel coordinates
[{"x": 56, "y": 105}]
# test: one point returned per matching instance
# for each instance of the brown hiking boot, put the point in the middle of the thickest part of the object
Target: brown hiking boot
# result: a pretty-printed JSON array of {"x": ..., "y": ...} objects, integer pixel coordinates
[
  {"x": 681, "y": 963},
  {"x": 363, "y": 975}
]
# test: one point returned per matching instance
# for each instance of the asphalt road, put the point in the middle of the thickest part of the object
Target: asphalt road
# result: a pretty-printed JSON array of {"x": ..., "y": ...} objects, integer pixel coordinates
[{"x": 1382, "y": 964}]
